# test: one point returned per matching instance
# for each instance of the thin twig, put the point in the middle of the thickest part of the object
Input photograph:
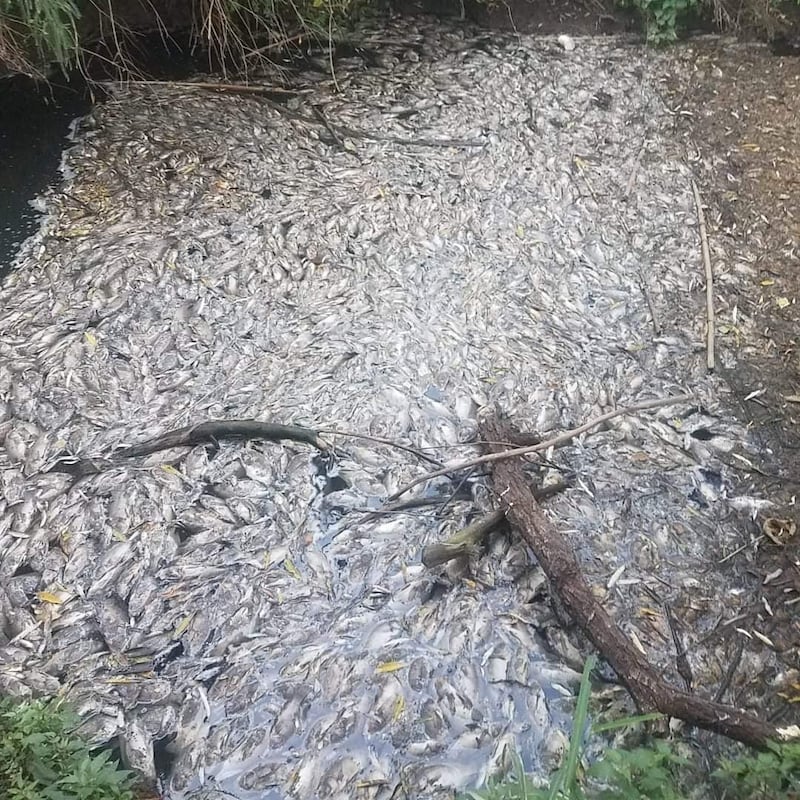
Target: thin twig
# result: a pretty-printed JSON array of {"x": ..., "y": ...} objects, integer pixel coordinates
[
  {"x": 681, "y": 661},
  {"x": 298, "y": 37},
  {"x": 556, "y": 441},
  {"x": 632, "y": 177},
  {"x": 701, "y": 221},
  {"x": 730, "y": 672},
  {"x": 388, "y": 442},
  {"x": 331, "y": 130},
  {"x": 455, "y": 492},
  {"x": 234, "y": 88}
]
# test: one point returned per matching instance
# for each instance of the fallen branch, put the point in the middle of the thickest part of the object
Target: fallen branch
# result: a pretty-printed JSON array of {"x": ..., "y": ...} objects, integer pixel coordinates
[
  {"x": 388, "y": 442},
  {"x": 337, "y": 131},
  {"x": 230, "y": 88},
  {"x": 463, "y": 543},
  {"x": 216, "y": 430},
  {"x": 710, "y": 320},
  {"x": 568, "y": 584},
  {"x": 190, "y": 436},
  {"x": 556, "y": 441},
  {"x": 213, "y": 431},
  {"x": 466, "y": 541}
]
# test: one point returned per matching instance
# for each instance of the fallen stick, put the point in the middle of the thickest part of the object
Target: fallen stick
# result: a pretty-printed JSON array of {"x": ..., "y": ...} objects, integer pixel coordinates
[
  {"x": 466, "y": 541},
  {"x": 205, "y": 432},
  {"x": 216, "y": 430},
  {"x": 556, "y": 441},
  {"x": 232, "y": 88},
  {"x": 463, "y": 543},
  {"x": 710, "y": 320},
  {"x": 568, "y": 584},
  {"x": 213, "y": 431},
  {"x": 388, "y": 442}
]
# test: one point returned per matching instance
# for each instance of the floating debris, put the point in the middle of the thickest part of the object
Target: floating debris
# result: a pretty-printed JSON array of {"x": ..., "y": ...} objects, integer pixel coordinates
[{"x": 241, "y": 607}]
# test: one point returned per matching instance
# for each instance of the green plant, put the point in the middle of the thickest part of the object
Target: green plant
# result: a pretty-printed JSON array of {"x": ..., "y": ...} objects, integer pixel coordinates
[
  {"x": 661, "y": 18},
  {"x": 564, "y": 782},
  {"x": 41, "y": 758},
  {"x": 45, "y": 28},
  {"x": 763, "y": 776},
  {"x": 644, "y": 773}
]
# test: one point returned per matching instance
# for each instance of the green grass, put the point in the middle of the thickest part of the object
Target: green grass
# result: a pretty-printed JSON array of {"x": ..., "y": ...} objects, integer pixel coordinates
[
  {"x": 36, "y": 35},
  {"x": 41, "y": 758}
]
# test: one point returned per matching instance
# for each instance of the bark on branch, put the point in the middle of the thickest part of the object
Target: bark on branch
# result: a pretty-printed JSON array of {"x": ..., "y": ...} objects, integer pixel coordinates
[{"x": 557, "y": 559}]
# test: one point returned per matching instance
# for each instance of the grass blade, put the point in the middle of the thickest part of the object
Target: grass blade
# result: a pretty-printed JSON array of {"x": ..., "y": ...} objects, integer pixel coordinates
[{"x": 568, "y": 775}]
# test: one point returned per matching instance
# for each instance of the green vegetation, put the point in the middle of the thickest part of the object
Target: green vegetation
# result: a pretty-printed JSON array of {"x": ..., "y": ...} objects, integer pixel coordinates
[
  {"x": 37, "y": 34},
  {"x": 659, "y": 771},
  {"x": 41, "y": 758},
  {"x": 663, "y": 18}
]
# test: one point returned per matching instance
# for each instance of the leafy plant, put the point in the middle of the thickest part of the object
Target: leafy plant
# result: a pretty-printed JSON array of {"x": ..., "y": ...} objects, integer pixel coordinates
[
  {"x": 645, "y": 773},
  {"x": 763, "y": 776},
  {"x": 662, "y": 18},
  {"x": 41, "y": 758}
]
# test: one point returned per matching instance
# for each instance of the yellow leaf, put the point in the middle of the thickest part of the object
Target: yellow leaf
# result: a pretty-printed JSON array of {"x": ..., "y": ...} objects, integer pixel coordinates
[
  {"x": 782, "y": 302},
  {"x": 49, "y": 597},
  {"x": 120, "y": 679},
  {"x": 399, "y": 708},
  {"x": 289, "y": 566},
  {"x": 183, "y": 625},
  {"x": 90, "y": 338},
  {"x": 520, "y": 232},
  {"x": 768, "y": 282},
  {"x": 170, "y": 470},
  {"x": 752, "y": 147},
  {"x": 390, "y": 666},
  {"x": 792, "y": 398}
]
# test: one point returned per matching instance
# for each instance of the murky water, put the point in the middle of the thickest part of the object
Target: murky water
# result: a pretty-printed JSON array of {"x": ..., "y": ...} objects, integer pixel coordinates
[
  {"x": 34, "y": 130},
  {"x": 462, "y": 223}
]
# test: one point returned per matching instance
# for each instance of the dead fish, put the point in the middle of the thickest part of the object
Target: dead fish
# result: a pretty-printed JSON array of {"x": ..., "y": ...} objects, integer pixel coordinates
[{"x": 282, "y": 630}]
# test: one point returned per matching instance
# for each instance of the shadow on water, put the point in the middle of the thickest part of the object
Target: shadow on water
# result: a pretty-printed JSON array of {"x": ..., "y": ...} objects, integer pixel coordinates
[
  {"x": 34, "y": 127},
  {"x": 35, "y": 124}
]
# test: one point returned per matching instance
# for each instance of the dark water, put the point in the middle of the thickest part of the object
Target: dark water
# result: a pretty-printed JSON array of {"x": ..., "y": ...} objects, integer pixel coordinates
[
  {"x": 34, "y": 125},
  {"x": 35, "y": 122}
]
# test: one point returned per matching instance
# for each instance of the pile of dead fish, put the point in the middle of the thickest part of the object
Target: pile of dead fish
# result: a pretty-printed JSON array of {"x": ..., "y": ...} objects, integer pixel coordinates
[{"x": 458, "y": 221}]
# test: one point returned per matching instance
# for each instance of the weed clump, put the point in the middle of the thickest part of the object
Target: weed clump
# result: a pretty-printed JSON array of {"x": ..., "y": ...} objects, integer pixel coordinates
[{"x": 41, "y": 758}]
